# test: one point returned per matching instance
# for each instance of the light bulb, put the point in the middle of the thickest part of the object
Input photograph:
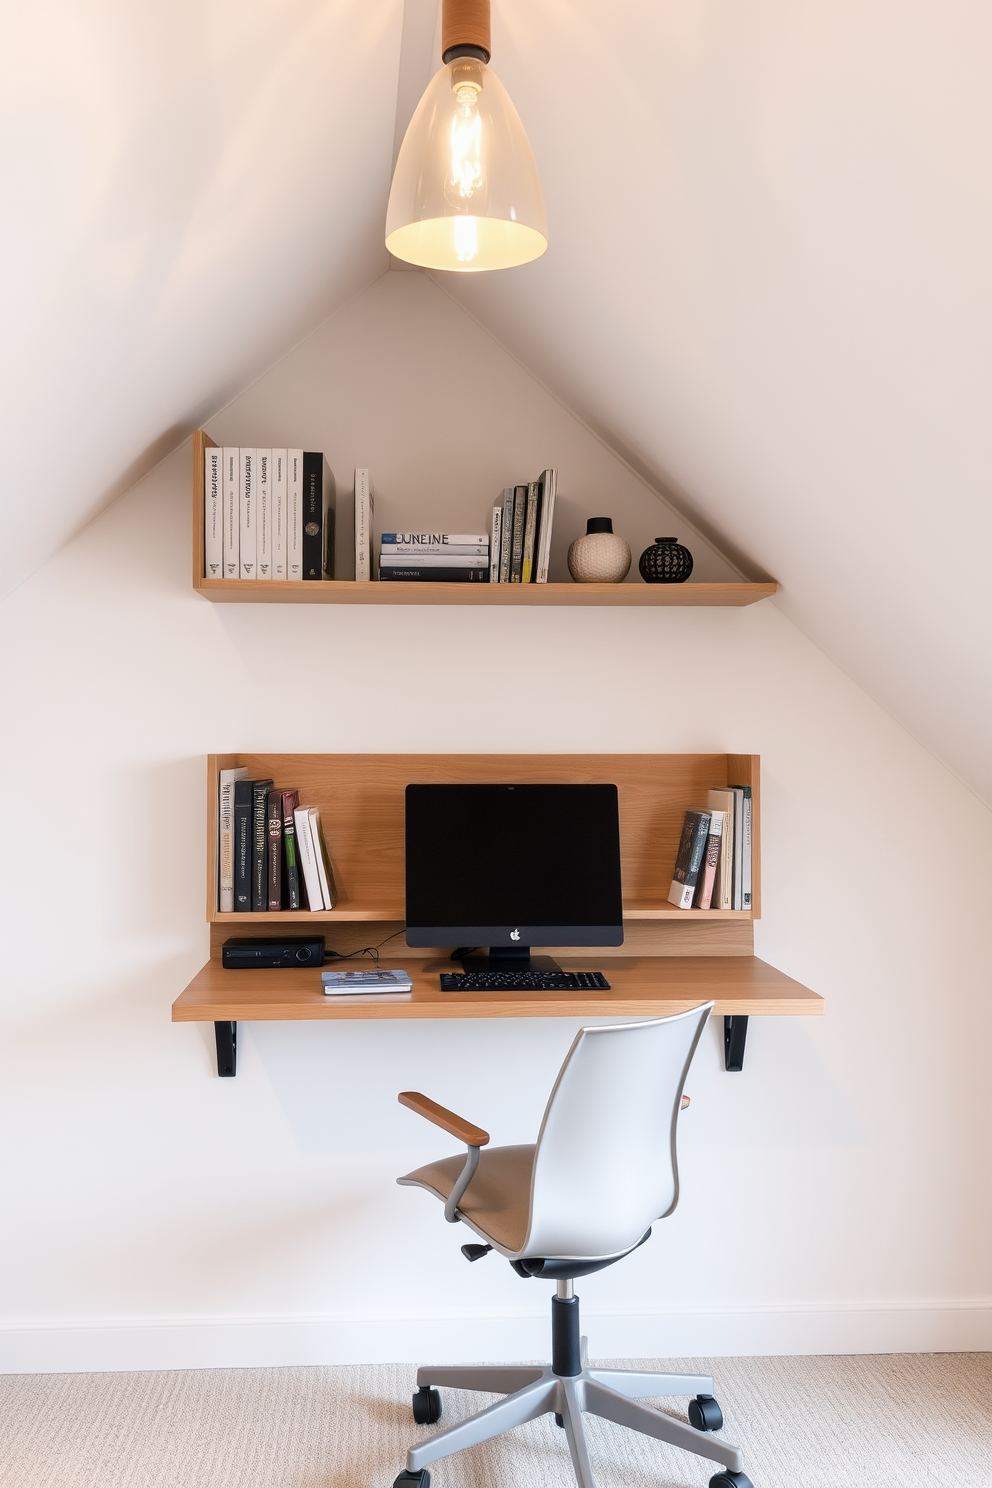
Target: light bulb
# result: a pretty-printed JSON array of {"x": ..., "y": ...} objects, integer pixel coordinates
[{"x": 465, "y": 193}]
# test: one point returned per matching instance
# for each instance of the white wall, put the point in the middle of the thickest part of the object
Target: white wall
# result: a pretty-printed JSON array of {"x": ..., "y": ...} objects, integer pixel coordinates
[{"x": 835, "y": 1195}]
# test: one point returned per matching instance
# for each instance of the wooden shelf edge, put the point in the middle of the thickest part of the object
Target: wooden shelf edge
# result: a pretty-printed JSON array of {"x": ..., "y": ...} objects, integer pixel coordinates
[
  {"x": 743, "y": 986},
  {"x": 395, "y": 914},
  {"x": 347, "y": 591}
]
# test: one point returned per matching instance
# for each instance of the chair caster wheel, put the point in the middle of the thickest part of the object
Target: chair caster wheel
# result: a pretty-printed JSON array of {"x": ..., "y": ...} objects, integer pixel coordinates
[
  {"x": 426, "y": 1406},
  {"x": 421, "y": 1479},
  {"x": 705, "y": 1414},
  {"x": 559, "y": 1421},
  {"x": 728, "y": 1479}
]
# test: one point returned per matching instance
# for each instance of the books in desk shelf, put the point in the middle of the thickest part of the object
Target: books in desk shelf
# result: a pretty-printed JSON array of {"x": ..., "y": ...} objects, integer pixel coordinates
[
  {"x": 364, "y": 514},
  {"x": 254, "y": 518},
  {"x": 713, "y": 868},
  {"x": 271, "y": 850},
  {"x": 347, "y": 983}
]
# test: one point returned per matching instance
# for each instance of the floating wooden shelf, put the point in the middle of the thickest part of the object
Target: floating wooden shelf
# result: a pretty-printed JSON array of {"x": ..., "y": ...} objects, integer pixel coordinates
[{"x": 347, "y": 591}]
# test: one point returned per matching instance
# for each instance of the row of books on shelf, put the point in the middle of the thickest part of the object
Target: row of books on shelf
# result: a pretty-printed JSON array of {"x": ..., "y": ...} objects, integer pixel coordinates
[
  {"x": 713, "y": 864},
  {"x": 272, "y": 850},
  {"x": 263, "y": 515},
  {"x": 516, "y": 550}
]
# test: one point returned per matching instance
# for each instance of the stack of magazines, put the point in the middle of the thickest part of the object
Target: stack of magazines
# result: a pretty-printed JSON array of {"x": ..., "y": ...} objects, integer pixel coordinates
[{"x": 434, "y": 557}]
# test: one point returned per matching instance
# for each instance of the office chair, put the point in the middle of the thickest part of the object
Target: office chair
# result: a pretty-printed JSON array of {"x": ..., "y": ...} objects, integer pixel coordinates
[{"x": 585, "y": 1195}]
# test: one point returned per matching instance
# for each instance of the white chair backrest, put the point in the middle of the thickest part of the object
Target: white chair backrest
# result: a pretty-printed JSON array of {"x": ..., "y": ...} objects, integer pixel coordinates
[{"x": 606, "y": 1166}]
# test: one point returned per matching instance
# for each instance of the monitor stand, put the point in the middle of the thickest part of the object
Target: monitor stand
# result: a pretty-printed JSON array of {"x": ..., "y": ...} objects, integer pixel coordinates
[{"x": 509, "y": 958}]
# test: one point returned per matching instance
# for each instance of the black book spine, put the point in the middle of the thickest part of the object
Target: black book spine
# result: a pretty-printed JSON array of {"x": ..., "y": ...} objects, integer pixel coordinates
[
  {"x": 274, "y": 843},
  {"x": 313, "y": 515},
  {"x": 259, "y": 877},
  {"x": 242, "y": 845},
  {"x": 292, "y": 873},
  {"x": 434, "y": 575}
]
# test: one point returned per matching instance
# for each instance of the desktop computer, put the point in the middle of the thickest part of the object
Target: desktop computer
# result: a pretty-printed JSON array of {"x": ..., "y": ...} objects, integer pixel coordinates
[{"x": 498, "y": 869}]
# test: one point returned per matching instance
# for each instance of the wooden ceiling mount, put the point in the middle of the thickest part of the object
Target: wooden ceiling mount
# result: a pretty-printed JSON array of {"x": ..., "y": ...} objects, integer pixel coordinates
[{"x": 465, "y": 29}]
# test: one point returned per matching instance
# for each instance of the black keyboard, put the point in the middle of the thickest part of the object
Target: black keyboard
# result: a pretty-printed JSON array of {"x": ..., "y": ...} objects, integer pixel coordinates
[{"x": 524, "y": 981}]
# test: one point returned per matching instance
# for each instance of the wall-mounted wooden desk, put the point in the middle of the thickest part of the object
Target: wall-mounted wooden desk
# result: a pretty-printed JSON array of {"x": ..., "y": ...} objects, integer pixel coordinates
[
  {"x": 671, "y": 959},
  {"x": 641, "y": 987}
]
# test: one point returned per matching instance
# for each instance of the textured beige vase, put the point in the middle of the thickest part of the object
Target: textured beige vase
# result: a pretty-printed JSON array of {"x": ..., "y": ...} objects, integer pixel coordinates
[{"x": 600, "y": 557}]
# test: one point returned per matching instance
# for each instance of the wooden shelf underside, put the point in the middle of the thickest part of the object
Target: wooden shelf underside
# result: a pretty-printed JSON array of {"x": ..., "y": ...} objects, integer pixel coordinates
[
  {"x": 640, "y": 987},
  {"x": 346, "y": 591}
]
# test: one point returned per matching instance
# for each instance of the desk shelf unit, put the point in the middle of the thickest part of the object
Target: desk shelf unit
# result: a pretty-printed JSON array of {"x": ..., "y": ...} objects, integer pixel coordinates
[
  {"x": 671, "y": 959},
  {"x": 347, "y": 591}
]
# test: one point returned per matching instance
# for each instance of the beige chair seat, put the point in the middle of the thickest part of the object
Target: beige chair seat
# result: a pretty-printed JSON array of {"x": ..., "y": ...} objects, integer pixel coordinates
[{"x": 497, "y": 1201}]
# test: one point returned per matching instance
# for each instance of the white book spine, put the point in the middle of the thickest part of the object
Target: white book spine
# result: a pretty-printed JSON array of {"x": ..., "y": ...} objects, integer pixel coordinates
[
  {"x": 249, "y": 525},
  {"x": 225, "y": 838},
  {"x": 497, "y": 528},
  {"x": 320, "y": 853},
  {"x": 263, "y": 511},
  {"x": 294, "y": 515},
  {"x": 738, "y": 845},
  {"x": 388, "y": 559},
  {"x": 681, "y": 895},
  {"x": 308, "y": 860},
  {"x": 550, "y": 479},
  {"x": 363, "y": 527},
  {"x": 278, "y": 479},
  {"x": 232, "y": 513},
  {"x": 213, "y": 513}
]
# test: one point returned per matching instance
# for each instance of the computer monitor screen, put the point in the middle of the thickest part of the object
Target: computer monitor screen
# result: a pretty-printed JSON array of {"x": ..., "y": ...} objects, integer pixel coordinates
[{"x": 511, "y": 866}]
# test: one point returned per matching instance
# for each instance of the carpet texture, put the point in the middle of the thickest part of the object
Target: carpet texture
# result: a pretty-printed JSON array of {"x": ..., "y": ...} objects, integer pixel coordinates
[{"x": 886, "y": 1421}]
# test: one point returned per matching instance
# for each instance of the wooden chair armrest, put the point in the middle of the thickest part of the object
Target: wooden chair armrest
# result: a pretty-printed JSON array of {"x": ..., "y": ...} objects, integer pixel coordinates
[
  {"x": 686, "y": 1102},
  {"x": 472, "y": 1136}
]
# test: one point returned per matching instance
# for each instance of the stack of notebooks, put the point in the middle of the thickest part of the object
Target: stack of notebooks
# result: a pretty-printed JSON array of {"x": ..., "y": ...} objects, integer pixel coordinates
[
  {"x": 520, "y": 551},
  {"x": 713, "y": 866},
  {"x": 263, "y": 515},
  {"x": 434, "y": 557},
  {"x": 272, "y": 850}
]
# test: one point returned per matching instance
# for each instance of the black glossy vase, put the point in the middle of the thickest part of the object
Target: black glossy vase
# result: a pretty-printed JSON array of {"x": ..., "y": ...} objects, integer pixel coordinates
[{"x": 667, "y": 562}]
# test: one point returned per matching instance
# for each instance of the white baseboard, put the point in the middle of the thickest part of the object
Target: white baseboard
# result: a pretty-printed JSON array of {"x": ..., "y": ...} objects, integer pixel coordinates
[{"x": 251, "y": 1343}]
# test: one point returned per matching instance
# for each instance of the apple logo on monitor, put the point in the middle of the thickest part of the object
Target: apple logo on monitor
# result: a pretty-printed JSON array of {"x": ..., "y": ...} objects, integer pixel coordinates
[{"x": 514, "y": 934}]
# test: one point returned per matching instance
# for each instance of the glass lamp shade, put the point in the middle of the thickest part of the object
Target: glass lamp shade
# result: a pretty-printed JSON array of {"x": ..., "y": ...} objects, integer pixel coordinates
[{"x": 466, "y": 193}]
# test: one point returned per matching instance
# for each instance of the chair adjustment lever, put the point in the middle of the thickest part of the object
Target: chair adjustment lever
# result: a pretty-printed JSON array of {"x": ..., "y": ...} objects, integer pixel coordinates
[{"x": 475, "y": 1252}]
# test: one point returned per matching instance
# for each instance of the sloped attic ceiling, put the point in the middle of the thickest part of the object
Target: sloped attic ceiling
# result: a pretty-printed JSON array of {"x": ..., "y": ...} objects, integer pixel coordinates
[{"x": 768, "y": 282}]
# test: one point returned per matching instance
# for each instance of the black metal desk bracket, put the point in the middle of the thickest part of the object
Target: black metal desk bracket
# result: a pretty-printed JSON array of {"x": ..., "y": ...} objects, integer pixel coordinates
[
  {"x": 226, "y": 1035},
  {"x": 734, "y": 1039}
]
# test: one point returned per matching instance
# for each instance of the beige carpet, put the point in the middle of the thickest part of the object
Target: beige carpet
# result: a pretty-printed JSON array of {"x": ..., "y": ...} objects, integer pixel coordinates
[{"x": 888, "y": 1421}]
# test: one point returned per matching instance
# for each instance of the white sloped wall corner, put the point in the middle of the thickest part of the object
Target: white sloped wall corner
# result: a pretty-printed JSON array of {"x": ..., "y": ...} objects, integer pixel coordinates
[{"x": 834, "y": 1196}]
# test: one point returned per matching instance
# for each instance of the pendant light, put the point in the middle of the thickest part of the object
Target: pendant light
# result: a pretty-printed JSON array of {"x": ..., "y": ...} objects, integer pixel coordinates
[{"x": 466, "y": 194}]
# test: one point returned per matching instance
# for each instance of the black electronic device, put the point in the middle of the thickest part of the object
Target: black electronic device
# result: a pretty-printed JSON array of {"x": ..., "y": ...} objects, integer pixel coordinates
[
  {"x": 247, "y": 955},
  {"x": 523, "y": 981},
  {"x": 507, "y": 867}
]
